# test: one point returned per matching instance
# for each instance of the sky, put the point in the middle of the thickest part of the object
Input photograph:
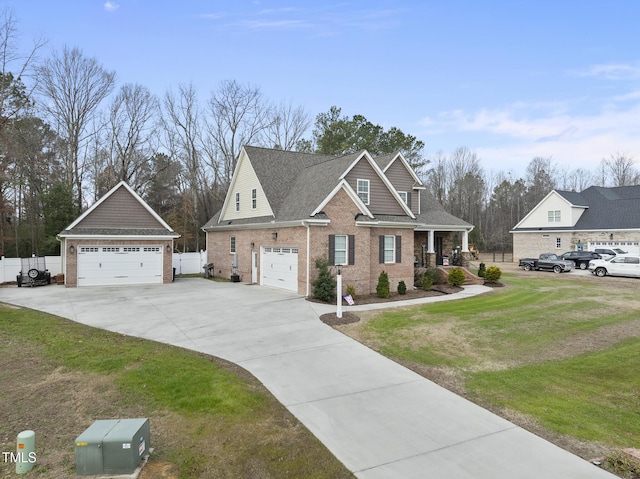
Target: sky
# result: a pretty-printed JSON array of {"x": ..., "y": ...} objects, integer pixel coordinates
[{"x": 510, "y": 80}]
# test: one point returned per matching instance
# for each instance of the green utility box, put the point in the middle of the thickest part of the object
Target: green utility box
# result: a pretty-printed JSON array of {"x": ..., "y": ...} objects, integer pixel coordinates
[{"x": 112, "y": 446}]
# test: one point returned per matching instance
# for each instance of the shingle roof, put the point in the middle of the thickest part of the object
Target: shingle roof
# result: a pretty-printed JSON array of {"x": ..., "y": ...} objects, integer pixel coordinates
[
  {"x": 278, "y": 169},
  {"x": 607, "y": 208},
  {"x": 432, "y": 213},
  {"x": 119, "y": 212},
  {"x": 610, "y": 208},
  {"x": 296, "y": 184}
]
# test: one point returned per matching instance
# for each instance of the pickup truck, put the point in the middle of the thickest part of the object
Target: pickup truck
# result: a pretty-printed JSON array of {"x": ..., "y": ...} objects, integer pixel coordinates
[{"x": 547, "y": 262}]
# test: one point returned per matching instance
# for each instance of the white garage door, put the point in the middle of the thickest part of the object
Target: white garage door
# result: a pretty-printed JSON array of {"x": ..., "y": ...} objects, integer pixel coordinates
[
  {"x": 279, "y": 267},
  {"x": 112, "y": 265}
]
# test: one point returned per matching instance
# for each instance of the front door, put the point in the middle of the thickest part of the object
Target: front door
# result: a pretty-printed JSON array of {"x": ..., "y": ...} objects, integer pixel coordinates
[
  {"x": 254, "y": 267},
  {"x": 438, "y": 248}
]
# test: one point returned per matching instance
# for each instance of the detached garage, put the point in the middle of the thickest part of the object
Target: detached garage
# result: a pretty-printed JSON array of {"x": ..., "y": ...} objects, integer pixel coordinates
[{"x": 120, "y": 240}]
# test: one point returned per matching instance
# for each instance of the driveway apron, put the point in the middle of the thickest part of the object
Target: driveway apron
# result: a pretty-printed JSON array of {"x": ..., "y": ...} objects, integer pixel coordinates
[{"x": 377, "y": 417}]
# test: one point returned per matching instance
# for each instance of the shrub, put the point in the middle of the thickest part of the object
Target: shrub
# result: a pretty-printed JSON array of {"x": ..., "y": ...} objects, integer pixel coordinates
[
  {"x": 402, "y": 287},
  {"x": 324, "y": 286},
  {"x": 492, "y": 274},
  {"x": 351, "y": 289},
  {"x": 382, "y": 289},
  {"x": 418, "y": 277},
  {"x": 456, "y": 277},
  {"x": 482, "y": 270},
  {"x": 440, "y": 276},
  {"x": 427, "y": 280}
]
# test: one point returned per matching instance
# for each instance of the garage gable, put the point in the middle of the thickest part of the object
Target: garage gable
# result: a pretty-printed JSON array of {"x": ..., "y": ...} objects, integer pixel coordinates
[
  {"x": 119, "y": 240},
  {"x": 120, "y": 209}
]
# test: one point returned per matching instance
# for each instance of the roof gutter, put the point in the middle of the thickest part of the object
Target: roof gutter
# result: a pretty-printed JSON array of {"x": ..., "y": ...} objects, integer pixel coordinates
[
  {"x": 270, "y": 225},
  {"x": 117, "y": 237},
  {"x": 386, "y": 224}
]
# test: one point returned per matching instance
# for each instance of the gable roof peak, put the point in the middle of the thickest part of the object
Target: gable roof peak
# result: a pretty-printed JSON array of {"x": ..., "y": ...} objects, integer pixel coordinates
[{"x": 122, "y": 185}]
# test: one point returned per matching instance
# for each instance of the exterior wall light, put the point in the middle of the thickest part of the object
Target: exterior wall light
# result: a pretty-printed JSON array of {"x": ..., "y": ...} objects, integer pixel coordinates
[
  {"x": 274, "y": 235},
  {"x": 72, "y": 249}
]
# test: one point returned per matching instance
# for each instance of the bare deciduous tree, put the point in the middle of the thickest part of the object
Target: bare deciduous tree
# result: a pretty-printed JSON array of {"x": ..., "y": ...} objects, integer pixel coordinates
[
  {"x": 576, "y": 180},
  {"x": 238, "y": 116},
  {"x": 286, "y": 126},
  {"x": 14, "y": 66},
  {"x": 541, "y": 178},
  {"x": 131, "y": 134},
  {"x": 621, "y": 170},
  {"x": 183, "y": 132},
  {"x": 73, "y": 86}
]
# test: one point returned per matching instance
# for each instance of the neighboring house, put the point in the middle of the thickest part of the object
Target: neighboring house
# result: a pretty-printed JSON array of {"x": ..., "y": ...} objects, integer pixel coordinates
[
  {"x": 119, "y": 240},
  {"x": 597, "y": 217},
  {"x": 285, "y": 209}
]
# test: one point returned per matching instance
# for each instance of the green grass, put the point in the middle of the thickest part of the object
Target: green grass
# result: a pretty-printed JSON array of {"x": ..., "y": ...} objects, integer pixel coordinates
[
  {"x": 593, "y": 397},
  {"x": 171, "y": 377},
  {"x": 537, "y": 347},
  {"x": 218, "y": 420}
]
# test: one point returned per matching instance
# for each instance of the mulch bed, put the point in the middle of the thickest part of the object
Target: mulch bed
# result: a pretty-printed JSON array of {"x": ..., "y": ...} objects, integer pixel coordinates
[{"x": 437, "y": 290}]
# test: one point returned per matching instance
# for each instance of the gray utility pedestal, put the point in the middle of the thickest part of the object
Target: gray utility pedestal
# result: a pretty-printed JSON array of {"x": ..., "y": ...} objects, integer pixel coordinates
[{"x": 112, "y": 446}]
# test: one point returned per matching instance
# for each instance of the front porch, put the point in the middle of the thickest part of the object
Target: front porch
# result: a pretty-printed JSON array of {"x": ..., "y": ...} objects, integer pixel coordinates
[{"x": 433, "y": 248}]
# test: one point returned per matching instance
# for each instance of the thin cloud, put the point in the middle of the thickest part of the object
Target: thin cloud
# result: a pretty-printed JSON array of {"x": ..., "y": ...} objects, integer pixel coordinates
[
  {"x": 110, "y": 6},
  {"x": 324, "y": 20},
  {"x": 612, "y": 71},
  {"x": 524, "y": 132}
]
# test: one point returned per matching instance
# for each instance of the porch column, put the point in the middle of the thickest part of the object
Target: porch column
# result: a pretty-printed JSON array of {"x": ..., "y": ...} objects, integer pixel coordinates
[
  {"x": 430, "y": 242},
  {"x": 465, "y": 241}
]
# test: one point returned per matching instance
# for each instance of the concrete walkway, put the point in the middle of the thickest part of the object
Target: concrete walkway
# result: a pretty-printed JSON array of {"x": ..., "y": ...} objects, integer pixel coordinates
[{"x": 379, "y": 418}]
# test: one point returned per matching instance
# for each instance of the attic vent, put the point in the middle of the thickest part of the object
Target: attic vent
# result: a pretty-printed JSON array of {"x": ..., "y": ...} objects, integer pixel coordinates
[{"x": 545, "y": 236}]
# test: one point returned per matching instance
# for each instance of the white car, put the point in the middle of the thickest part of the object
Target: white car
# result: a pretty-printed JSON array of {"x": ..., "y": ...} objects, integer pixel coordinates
[
  {"x": 608, "y": 253},
  {"x": 620, "y": 265}
]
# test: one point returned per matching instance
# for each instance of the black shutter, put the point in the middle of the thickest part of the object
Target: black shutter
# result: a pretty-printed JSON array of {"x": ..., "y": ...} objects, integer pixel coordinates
[
  {"x": 381, "y": 249},
  {"x": 409, "y": 199},
  {"x": 398, "y": 249},
  {"x": 332, "y": 250},
  {"x": 352, "y": 249}
]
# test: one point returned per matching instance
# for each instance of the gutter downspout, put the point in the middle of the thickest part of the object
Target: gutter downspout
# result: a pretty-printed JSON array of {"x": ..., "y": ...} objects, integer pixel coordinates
[{"x": 308, "y": 258}]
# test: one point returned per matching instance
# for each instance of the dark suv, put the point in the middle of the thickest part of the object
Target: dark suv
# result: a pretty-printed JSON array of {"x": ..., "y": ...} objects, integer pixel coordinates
[{"x": 580, "y": 258}]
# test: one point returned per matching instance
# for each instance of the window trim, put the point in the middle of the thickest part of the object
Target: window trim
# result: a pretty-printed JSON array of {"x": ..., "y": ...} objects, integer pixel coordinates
[
  {"x": 554, "y": 216},
  {"x": 254, "y": 198},
  {"x": 237, "y": 201},
  {"x": 337, "y": 250},
  {"x": 404, "y": 196},
  {"x": 232, "y": 244},
  {"x": 392, "y": 250},
  {"x": 367, "y": 183}
]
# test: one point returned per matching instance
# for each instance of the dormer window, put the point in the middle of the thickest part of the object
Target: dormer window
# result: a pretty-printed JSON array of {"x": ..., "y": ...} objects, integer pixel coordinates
[
  {"x": 404, "y": 196},
  {"x": 363, "y": 191},
  {"x": 553, "y": 216}
]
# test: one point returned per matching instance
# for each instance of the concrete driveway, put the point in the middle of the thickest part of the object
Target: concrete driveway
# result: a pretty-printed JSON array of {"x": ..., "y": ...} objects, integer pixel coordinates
[{"x": 379, "y": 418}]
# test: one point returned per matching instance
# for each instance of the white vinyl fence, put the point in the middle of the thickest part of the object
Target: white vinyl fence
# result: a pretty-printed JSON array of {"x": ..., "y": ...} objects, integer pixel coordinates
[
  {"x": 189, "y": 263},
  {"x": 10, "y": 267},
  {"x": 184, "y": 263}
]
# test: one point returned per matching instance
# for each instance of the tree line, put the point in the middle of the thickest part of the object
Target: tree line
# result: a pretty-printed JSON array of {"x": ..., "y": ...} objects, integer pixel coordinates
[{"x": 69, "y": 132}]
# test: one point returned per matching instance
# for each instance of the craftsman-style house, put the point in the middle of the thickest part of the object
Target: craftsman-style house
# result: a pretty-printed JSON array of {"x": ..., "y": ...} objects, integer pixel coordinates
[{"x": 285, "y": 209}]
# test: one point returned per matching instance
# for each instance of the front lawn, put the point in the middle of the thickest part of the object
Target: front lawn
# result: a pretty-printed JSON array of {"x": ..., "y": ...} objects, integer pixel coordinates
[
  {"x": 557, "y": 354},
  {"x": 208, "y": 418}
]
